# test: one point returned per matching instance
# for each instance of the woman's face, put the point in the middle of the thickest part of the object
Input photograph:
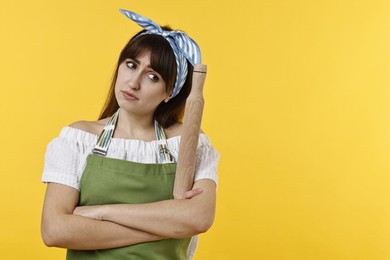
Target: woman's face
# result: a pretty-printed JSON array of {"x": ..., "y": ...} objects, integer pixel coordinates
[{"x": 138, "y": 88}]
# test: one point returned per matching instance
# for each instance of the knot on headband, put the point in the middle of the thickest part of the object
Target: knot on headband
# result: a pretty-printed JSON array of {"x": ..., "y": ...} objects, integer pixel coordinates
[{"x": 182, "y": 45}]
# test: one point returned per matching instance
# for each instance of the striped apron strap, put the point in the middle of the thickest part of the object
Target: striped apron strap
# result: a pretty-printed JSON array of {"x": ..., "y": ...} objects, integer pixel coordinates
[
  {"x": 104, "y": 140},
  {"x": 164, "y": 155}
]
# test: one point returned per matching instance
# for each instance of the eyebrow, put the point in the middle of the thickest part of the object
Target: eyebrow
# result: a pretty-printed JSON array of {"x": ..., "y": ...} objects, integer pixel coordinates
[{"x": 138, "y": 62}]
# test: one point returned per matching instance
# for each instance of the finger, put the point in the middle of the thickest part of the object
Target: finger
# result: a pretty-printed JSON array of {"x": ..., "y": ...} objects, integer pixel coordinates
[
  {"x": 192, "y": 193},
  {"x": 76, "y": 210}
]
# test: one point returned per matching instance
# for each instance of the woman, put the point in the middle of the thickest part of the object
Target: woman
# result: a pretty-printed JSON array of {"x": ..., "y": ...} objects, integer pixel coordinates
[{"x": 109, "y": 192}]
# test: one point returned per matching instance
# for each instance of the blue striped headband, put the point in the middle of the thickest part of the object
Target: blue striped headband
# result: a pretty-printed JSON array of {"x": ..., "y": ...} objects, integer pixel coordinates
[{"x": 182, "y": 45}]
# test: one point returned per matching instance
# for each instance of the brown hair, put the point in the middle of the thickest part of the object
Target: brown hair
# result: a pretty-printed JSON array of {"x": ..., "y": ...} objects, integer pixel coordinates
[{"x": 163, "y": 61}]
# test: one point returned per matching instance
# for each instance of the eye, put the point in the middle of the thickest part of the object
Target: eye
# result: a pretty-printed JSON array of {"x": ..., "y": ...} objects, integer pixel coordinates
[
  {"x": 131, "y": 64},
  {"x": 153, "y": 77}
]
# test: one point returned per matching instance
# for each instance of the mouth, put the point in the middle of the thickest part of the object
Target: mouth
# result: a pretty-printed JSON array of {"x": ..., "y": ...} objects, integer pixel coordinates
[{"x": 128, "y": 96}]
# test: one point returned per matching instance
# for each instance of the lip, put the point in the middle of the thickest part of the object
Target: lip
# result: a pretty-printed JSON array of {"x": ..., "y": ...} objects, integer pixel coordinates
[{"x": 128, "y": 96}]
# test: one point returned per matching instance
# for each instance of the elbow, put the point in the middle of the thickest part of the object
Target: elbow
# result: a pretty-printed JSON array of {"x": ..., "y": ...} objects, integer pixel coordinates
[
  {"x": 203, "y": 225},
  {"x": 50, "y": 235},
  {"x": 192, "y": 226},
  {"x": 203, "y": 221},
  {"x": 48, "y": 238},
  {"x": 48, "y": 241}
]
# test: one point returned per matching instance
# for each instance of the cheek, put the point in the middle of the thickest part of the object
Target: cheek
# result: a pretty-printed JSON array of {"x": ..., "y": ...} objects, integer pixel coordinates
[
  {"x": 157, "y": 97},
  {"x": 116, "y": 89},
  {"x": 119, "y": 79},
  {"x": 162, "y": 93}
]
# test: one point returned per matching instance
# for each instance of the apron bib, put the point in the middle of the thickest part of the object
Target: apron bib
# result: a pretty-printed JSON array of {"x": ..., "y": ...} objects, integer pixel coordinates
[{"x": 114, "y": 181}]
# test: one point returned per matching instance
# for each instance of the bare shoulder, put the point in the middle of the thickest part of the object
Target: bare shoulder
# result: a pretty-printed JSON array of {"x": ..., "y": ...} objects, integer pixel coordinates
[
  {"x": 176, "y": 130},
  {"x": 93, "y": 127}
]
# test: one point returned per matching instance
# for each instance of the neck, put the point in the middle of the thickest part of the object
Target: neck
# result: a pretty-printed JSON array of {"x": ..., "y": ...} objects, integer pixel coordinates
[{"x": 132, "y": 126}]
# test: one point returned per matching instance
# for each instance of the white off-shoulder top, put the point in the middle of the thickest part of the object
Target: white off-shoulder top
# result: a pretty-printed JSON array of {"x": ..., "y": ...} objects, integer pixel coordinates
[{"x": 66, "y": 155}]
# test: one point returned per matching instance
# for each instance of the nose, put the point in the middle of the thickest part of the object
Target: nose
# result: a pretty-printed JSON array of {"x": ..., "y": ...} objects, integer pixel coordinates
[{"x": 134, "y": 81}]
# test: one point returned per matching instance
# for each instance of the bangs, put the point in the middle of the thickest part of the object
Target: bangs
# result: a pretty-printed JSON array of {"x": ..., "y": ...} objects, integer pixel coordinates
[{"x": 162, "y": 58}]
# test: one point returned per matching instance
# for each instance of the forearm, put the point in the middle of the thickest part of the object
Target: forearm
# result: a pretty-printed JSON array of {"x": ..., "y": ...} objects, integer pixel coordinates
[
  {"x": 169, "y": 218},
  {"x": 77, "y": 232},
  {"x": 166, "y": 218},
  {"x": 61, "y": 228}
]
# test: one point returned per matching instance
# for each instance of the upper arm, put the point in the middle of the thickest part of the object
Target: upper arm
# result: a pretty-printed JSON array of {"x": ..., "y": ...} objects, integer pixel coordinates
[
  {"x": 204, "y": 204},
  {"x": 209, "y": 188},
  {"x": 59, "y": 200},
  {"x": 207, "y": 161},
  {"x": 206, "y": 177}
]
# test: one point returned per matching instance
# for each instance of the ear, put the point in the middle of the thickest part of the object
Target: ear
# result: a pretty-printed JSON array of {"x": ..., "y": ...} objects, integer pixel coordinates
[{"x": 168, "y": 98}]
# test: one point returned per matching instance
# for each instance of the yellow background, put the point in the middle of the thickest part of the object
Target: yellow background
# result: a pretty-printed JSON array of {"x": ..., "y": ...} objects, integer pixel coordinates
[{"x": 297, "y": 103}]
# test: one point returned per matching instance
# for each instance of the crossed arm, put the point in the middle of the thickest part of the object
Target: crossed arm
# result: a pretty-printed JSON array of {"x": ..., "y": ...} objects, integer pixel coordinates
[{"x": 116, "y": 225}]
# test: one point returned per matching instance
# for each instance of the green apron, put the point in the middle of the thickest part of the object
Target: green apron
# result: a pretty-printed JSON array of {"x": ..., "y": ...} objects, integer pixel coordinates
[{"x": 114, "y": 181}]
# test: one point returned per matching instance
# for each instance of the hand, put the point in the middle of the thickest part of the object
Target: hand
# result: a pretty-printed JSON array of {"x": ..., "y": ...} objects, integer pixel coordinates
[
  {"x": 191, "y": 193},
  {"x": 93, "y": 212}
]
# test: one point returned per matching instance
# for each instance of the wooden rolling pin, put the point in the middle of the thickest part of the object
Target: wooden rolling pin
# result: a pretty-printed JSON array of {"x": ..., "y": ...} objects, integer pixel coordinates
[{"x": 186, "y": 163}]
